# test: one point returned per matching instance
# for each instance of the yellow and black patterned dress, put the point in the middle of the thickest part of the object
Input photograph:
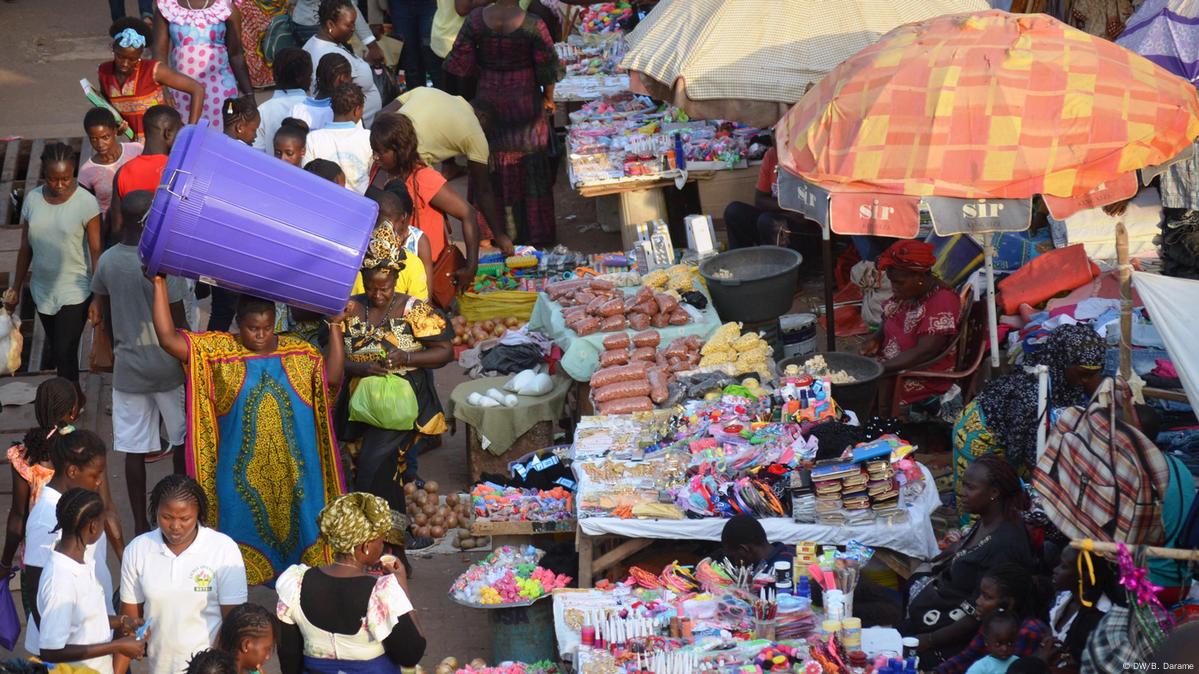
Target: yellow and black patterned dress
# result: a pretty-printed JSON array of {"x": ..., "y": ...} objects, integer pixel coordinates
[
  {"x": 381, "y": 457},
  {"x": 260, "y": 442}
]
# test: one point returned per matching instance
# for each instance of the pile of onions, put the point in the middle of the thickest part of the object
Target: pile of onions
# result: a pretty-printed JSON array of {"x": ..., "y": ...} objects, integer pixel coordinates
[
  {"x": 469, "y": 334},
  {"x": 432, "y": 518}
]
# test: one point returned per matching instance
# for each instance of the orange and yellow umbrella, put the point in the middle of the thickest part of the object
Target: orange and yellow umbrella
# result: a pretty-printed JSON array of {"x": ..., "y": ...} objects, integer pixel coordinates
[
  {"x": 987, "y": 106},
  {"x": 972, "y": 115}
]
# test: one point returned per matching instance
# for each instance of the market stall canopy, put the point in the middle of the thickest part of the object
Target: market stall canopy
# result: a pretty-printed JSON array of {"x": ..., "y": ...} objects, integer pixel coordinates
[
  {"x": 1171, "y": 303},
  {"x": 750, "y": 61},
  {"x": 1167, "y": 33},
  {"x": 973, "y": 115}
]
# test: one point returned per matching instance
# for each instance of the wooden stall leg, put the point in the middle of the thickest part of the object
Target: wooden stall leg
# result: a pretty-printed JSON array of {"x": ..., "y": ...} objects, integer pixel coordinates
[
  {"x": 585, "y": 546},
  {"x": 620, "y": 553}
]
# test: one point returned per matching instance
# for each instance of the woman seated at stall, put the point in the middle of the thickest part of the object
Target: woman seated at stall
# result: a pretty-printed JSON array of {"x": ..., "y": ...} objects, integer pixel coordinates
[
  {"x": 1002, "y": 419},
  {"x": 920, "y": 322},
  {"x": 339, "y": 617},
  {"x": 391, "y": 333},
  {"x": 940, "y": 611}
]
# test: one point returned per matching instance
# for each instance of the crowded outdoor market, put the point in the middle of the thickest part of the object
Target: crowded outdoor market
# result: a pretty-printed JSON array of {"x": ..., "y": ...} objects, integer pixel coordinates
[{"x": 633, "y": 337}]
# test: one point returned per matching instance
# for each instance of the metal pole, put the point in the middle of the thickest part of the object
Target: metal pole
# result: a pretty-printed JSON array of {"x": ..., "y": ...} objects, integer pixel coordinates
[
  {"x": 830, "y": 318},
  {"x": 1042, "y": 373},
  {"x": 992, "y": 319},
  {"x": 1125, "y": 275}
]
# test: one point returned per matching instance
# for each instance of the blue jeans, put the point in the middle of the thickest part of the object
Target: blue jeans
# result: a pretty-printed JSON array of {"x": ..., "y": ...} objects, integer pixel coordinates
[
  {"x": 116, "y": 8},
  {"x": 412, "y": 22}
]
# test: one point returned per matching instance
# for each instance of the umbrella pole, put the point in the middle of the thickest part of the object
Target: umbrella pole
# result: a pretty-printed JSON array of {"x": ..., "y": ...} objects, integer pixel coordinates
[
  {"x": 830, "y": 321},
  {"x": 1125, "y": 299},
  {"x": 992, "y": 319},
  {"x": 1042, "y": 373}
]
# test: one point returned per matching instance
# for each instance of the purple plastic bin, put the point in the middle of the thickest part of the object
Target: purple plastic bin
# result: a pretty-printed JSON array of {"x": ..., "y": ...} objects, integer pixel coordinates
[{"x": 241, "y": 219}]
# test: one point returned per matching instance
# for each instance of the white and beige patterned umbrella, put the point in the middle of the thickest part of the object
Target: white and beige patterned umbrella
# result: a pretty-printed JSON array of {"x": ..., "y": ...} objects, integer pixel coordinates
[{"x": 751, "y": 60}]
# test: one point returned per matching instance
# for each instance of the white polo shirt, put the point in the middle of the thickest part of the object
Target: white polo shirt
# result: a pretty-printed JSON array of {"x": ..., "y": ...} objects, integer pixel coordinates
[
  {"x": 71, "y": 605},
  {"x": 39, "y": 548},
  {"x": 182, "y": 594},
  {"x": 348, "y": 145}
]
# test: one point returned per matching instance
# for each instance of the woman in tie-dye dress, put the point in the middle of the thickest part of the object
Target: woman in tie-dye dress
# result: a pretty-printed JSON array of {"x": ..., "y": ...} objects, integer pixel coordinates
[{"x": 203, "y": 41}]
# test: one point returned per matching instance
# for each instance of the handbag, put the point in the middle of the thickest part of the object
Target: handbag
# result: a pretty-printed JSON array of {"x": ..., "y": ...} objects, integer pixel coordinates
[
  {"x": 1100, "y": 477},
  {"x": 279, "y": 33},
  {"x": 10, "y": 622},
  {"x": 384, "y": 401},
  {"x": 386, "y": 83},
  {"x": 443, "y": 285}
]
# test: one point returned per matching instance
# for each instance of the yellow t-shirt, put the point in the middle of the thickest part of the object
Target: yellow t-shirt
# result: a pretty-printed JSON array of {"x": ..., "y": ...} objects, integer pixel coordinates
[
  {"x": 445, "y": 125},
  {"x": 411, "y": 280},
  {"x": 447, "y": 23}
]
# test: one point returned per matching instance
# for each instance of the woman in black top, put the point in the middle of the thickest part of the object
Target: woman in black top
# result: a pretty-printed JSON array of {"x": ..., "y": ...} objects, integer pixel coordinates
[
  {"x": 340, "y": 617},
  {"x": 940, "y": 612}
]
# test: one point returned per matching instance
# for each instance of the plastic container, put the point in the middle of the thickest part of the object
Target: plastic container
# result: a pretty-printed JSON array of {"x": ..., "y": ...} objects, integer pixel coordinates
[
  {"x": 859, "y": 396},
  {"x": 752, "y": 284},
  {"x": 238, "y": 218},
  {"x": 851, "y": 633},
  {"x": 799, "y": 334}
]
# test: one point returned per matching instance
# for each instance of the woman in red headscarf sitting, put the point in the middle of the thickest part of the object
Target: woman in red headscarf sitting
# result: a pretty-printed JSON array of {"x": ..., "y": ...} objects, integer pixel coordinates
[{"x": 920, "y": 321}]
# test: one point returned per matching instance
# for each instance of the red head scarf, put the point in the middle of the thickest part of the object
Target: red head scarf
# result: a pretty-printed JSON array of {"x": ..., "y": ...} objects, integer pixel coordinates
[{"x": 915, "y": 256}]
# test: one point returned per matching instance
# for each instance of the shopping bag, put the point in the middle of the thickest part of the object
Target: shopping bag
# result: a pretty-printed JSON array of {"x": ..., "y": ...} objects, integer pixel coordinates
[
  {"x": 101, "y": 358},
  {"x": 11, "y": 342},
  {"x": 10, "y": 622},
  {"x": 443, "y": 285},
  {"x": 384, "y": 401}
]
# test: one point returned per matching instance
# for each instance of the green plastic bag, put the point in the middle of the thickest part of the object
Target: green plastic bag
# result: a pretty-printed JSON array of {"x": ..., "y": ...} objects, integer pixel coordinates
[{"x": 384, "y": 401}]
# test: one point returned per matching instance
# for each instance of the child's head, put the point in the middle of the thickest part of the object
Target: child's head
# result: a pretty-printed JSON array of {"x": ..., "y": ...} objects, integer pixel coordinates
[
  {"x": 134, "y": 207},
  {"x": 328, "y": 170},
  {"x": 1006, "y": 587},
  {"x": 212, "y": 661},
  {"x": 101, "y": 129},
  {"x": 1095, "y": 579},
  {"x": 248, "y": 634},
  {"x": 999, "y": 633},
  {"x": 78, "y": 457},
  {"x": 290, "y": 141},
  {"x": 348, "y": 102},
  {"x": 332, "y": 72},
  {"x": 80, "y": 515},
  {"x": 240, "y": 118},
  {"x": 395, "y": 206},
  {"x": 55, "y": 404},
  {"x": 1028, "y": 665},
  {"x": 292, "y": 68},
  {"x": 130, "y": 37}
]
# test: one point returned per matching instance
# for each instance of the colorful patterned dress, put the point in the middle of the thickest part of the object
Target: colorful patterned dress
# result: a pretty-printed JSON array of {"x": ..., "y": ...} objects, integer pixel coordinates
[
  {"x": 137, "y": 94},
  {"x": 260, "y": 442},
  {"x": 513, "y": 68},
  {"x": 904, "y": 323},
  {"x": 198, "y": 51},
  {"x": 256, "y": 16},
  {"x": 383, "y": 453}
]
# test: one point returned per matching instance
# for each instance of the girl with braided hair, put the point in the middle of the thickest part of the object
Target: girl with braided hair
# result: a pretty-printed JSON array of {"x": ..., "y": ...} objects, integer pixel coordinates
[
  {"x": 340, "y": 617},
  {"x": 248, "y": 634},
  {"x": 74, "y": 623},
  {"x": 183, "y": 576},
  {"x": 79, "y": 459},
  {"x": 59, "y": 222},
  {"x": 55, "y": 406}
]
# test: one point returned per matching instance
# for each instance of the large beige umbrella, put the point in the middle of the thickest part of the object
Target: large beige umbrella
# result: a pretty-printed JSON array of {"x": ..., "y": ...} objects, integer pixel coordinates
[{"x": 751, "y": 60}]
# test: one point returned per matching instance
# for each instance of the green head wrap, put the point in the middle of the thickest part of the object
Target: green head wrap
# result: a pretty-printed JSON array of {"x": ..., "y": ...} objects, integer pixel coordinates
[{"x": 353, "y": 519}]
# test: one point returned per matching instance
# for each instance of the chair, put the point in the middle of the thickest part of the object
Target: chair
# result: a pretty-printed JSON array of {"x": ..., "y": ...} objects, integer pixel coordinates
[{"x": 971, "y": 343}]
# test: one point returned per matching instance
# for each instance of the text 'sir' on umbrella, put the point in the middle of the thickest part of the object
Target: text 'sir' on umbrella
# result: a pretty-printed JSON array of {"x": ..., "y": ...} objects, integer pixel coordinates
[{"x": 974, "y": 115}]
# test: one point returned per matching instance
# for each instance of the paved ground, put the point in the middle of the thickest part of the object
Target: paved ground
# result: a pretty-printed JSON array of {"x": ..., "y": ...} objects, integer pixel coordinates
[{"x": 46, "y": 46}]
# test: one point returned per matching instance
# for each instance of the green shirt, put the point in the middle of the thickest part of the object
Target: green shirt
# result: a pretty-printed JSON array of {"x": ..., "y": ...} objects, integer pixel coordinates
[{"x": 58, "y": 237}]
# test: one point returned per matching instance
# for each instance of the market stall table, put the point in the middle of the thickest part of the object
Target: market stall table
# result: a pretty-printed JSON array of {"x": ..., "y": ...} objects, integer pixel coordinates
[
  {"x": 580, "y": 355},
  {"x": 897, "y": 545},
  {"x": 498, "y": 435}
]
